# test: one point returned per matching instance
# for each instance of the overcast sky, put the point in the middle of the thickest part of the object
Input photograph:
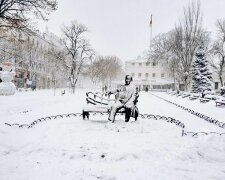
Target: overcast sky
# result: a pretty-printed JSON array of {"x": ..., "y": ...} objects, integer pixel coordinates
[{"x": 121, "y": 27}]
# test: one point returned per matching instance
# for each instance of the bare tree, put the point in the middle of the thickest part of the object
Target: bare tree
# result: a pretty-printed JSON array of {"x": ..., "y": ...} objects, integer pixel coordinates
[
  {"x": 162, "y": 51},
  {"x": 15, "y": 14},
  {"x": 177, "y": 47},
  {"x": 78, "y": 49},
  {"x": 218, "y": 51},
  {"x": 55, "y": 60},
  {"x": 188, "y": 35},
  {"x": 161, "y": 47},
  {"x": 105, "y": 69}
]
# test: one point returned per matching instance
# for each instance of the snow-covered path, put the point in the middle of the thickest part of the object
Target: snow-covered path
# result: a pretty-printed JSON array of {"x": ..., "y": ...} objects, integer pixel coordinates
[
  {"x": 210, "y": 109},
  {"x": 71, "y": 148},
  {"x": 152, "y": 105}
]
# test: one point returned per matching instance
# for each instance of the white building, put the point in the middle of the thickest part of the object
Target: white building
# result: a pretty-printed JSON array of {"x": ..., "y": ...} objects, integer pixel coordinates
[
  {"x": 149, "y": 75},
  {"x": 216, "y": 80}
]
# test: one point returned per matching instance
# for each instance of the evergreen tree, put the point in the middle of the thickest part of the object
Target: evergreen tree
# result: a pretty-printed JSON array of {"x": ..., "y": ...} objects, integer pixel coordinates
[{"x": 201, "y": 76}]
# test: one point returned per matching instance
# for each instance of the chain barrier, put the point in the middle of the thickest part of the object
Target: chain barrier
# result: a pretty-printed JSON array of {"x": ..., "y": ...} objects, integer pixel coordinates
[
  {"x": 143, "y": 116},
  {"x": 167, "y": 119},
  {"x": 43, "y": 119},
  {"x": 197, "y": 134},
  {"x": 202, "y": 116}
]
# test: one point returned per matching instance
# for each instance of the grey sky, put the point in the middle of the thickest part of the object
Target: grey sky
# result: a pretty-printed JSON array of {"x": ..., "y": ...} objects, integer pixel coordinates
[{"x": 121, "y": 27}]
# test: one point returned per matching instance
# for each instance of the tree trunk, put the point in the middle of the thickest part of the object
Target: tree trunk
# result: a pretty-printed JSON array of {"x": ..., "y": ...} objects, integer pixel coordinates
[
  {"x": 221, "y": 80},
  {"x": 73, "y": 85},
  {"x": 72, "y": 88}
]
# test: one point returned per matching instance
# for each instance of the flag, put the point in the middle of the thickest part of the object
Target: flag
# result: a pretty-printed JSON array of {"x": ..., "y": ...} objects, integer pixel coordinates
[{"x": 150, "y": 21}]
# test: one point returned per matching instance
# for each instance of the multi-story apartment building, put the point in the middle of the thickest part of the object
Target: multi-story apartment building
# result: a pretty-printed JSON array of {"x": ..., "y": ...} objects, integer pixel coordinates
[
  {"x": 31, "y": 59},
  {"x": 149, "y": 74}
]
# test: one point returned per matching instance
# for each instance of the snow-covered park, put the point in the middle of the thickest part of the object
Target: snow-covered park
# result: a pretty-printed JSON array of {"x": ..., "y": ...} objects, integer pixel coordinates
[{"x": 73, "y": 148}]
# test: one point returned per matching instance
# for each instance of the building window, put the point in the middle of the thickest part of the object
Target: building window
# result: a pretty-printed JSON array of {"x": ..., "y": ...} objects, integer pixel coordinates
[
  {"x": 162, "y": 75},
  {"x": 140, "y": 64},
  {"x": 139, "y": 75},
  {"x": 133, "y": 64},
  {"x": 153, "y": 74},
  {"x": 153, "y": 63},
  {"x": 216, "y": 85},
  {"x": 147, "y": 63},
  {"x": 132, "y": 74},
  {"x": 146, "y": 75}
]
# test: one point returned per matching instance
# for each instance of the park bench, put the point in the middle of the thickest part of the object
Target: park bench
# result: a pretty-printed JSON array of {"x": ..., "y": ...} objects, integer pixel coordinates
[
  {"x": 208, "y": 97},
  {"x": 101, "y": 103},
  {"x": 194, "y": 96},
  {"x": 173, "y": 93},
  {"x": 180, "y": 94},
  {"x": 184, "y": 95},
  {"x": 220, "y": 101},
  {"x": 204, "y": 100}
]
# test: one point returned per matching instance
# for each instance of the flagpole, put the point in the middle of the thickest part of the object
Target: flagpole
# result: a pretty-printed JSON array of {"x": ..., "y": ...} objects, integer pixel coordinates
[{"x": 150, "y": 41}]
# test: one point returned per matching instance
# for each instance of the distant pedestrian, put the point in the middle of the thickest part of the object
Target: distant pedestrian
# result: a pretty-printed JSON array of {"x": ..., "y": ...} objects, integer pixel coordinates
[{"x": 63, "y": 92}]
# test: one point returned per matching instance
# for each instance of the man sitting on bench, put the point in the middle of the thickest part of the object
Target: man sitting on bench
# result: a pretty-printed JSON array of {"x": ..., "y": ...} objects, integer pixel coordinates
[{"x": 126, "y": 96}]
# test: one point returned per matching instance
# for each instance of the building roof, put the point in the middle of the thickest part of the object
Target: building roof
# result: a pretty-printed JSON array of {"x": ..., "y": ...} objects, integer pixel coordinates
[
  {"x": 148, "y": 82},
  {"x": 137, "y": 61}
]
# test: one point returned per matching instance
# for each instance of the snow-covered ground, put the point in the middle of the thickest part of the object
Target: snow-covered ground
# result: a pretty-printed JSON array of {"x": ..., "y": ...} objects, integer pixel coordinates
[{"x": 71, "y": 148}]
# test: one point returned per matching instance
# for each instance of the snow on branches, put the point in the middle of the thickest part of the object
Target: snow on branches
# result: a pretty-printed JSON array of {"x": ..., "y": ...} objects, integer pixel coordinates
[{"x": 201, "y": 76}]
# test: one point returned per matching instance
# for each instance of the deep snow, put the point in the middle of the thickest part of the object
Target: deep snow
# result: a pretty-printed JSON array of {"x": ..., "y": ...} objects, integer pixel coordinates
[{"x": 71, "y": 148}]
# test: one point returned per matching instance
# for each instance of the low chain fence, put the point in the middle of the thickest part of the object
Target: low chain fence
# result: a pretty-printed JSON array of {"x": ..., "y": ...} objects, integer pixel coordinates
[
  {"x": 200, "y": 115},
  {"x": 43, "y": 120},
  {"x": 143, "y": 116},
  {"x": 197, "y": 134}
]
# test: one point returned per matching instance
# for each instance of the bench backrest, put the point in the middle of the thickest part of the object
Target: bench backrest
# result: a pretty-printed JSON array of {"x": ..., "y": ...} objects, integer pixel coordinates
[{"x": 103, "y": 98}]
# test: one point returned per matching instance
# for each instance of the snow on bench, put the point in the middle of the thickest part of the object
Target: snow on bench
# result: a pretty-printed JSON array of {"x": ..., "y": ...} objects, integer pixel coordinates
[
  {"x": 211, "y": 96},
  {"x": 204, "y": 100},
  {"x": 180, "y": 94},
  {"x": 194, "y": 96},
  {"x": 185, "y": 95},
  {"x": 220, "y": 101}
]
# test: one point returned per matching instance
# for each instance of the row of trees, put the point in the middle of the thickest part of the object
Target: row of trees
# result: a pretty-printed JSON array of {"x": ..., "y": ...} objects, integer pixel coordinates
[
  {"x": 177, "y": 47},
  {"x": 81, "y": 58},
  {"x": 69, "y": 60}
]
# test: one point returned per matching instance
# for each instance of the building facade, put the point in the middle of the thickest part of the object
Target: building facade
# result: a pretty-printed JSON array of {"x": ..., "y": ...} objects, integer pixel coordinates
[
  {"x": 149, "y": 75},
  {"x": 216, "y": 81},
  {"x": 30, "y": 54}
]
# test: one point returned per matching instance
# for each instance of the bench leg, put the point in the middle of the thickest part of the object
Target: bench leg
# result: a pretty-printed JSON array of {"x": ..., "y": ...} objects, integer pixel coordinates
[{"x": 85, "y": 114}]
